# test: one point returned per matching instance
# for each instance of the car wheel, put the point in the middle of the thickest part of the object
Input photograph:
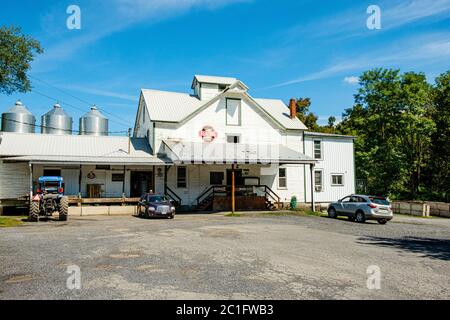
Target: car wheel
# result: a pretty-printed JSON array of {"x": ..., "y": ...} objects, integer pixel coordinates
[
  {"x": 360, "y": 217},
  {"x": 382, "y": 221},
  {"x": 332, "y": 213}
]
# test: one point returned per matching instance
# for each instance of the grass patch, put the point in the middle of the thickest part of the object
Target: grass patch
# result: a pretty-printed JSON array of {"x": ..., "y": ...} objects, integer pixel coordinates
[
  {"x": 231, "y": 214},
  {"x": 7, "y": 222}
]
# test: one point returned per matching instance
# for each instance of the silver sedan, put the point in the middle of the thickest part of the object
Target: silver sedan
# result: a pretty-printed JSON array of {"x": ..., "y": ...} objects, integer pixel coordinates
[{"x": 360, "y": 208}]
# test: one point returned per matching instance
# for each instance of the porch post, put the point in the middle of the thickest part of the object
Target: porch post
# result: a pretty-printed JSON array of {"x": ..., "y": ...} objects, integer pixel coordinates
[
  {"x": 166, "y": 169},
  {"x": 123, "y": 182},
  {"x": 311, "y": 167},
  {"x": 233, "y": 200},
  {"x": 30, "y": 167}
]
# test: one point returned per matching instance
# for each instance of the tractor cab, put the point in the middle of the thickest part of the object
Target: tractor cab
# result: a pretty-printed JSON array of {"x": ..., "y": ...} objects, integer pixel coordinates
[
  {"x": 50, "y": 185},
  {"x": 49, "y": 198}
]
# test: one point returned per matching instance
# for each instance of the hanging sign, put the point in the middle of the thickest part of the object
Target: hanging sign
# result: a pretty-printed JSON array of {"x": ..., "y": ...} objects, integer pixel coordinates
[{"x": 208, "y": 134}]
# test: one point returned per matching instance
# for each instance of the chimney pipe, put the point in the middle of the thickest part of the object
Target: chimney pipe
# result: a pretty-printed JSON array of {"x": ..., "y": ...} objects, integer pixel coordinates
[{"x": 293, "y": 108}]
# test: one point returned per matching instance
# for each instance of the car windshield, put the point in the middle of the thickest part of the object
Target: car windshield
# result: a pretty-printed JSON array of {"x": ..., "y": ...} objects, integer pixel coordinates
[
  {"x": 51, "y": 185},
  {"x": 382, "y": 201},
  {"x": 157, "y": 199}
]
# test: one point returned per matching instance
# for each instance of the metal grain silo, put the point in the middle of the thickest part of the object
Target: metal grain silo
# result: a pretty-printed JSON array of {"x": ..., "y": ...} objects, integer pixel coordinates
[
  {"x": 18, "y": 119},
  {"x": 56, "y": 121},
  {"x": 93, "y": 123}
]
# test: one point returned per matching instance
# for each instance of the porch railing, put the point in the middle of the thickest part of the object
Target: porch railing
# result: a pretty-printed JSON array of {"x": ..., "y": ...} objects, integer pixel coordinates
[{"x": 210, "y": 193}]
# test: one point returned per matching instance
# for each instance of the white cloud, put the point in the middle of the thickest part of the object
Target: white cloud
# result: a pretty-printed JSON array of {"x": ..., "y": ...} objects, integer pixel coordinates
[
  {"x": 351, "y": 23},
  {"x": 426, "y": 49},
  {"x": 100, "y": 92},
  {"x": 351, "y": 80},
  {"x": 116, "y": 16}
]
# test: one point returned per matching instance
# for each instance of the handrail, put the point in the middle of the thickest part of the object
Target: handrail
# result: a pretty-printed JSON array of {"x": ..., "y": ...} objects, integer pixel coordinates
[
  {"x": 207, "y": 191},
  {"x": 272, "y": 194},
  {"x": 172, "y": 195},
  {"x": 213, "y": 190}
]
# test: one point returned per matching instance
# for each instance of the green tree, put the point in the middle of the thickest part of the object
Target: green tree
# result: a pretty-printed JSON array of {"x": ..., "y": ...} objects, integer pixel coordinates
[
  {"x": 439, "y": 169},
  {"x": 391, "y": 118},
  {"x": 305, "y": 116},
  {"x": 17, "y": 51}
]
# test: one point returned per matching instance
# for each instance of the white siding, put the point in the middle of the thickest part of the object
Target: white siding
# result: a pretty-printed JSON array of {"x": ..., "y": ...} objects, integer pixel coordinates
[
  {"x": 255, "y": 127},
  {"x": 14, "y": 180},
  {"x": 337, "y": 158},
  {"x": 208, "y": 91}
]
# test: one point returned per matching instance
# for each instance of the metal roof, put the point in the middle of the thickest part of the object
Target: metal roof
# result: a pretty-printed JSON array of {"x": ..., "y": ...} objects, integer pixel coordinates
[
  {"x": 174, "y": 107},
  {"x": 49, "y": 147},
  {"x": 213, "y": 79},
  {"x": 198, "y": 152},
  {"x": 277, "y": 109},
  {"x": 331, "y": 135},
  {"x": 170, "y": 106}
]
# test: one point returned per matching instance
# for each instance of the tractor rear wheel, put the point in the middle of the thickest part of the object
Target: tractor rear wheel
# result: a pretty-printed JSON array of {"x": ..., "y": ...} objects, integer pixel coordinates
[
  {"x": 63, "y": 208},
  {"x": 33, "y": 214}
]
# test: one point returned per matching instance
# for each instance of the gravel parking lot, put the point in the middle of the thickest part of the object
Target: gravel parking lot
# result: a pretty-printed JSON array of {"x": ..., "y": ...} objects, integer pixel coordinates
[{"x": 255, "y": 256}]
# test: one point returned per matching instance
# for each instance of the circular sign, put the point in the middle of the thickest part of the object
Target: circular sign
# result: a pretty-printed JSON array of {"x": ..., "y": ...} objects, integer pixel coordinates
[
  {"x": 91, "y": 175},
  {"x": 208, "y": 134}
]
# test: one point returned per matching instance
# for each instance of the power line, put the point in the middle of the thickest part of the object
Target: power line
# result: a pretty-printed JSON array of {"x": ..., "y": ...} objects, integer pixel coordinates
[
  {"x": 54, "y": 128},
  {"x": 77, "y": 98},
  {"x": 72, "y": 106}
]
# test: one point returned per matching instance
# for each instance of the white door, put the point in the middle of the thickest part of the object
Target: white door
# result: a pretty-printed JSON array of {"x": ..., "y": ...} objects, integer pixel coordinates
[{"x": 70, "y": 177}]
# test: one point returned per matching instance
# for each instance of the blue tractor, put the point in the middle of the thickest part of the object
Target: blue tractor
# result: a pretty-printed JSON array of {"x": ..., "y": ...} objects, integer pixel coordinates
[{"x": 49, "y": 199}]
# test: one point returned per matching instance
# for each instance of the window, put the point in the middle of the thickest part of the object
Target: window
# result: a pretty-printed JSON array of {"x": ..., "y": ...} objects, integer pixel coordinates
[
  {"x": 317, "y": 149},
  {"x": 216, "y": 178},
  {"x": 282, "y": 178},
  {"x": 233, "y": 139},
  {"x": 181, "y": 177},
  {"x": 117, "y": 177},
  {"x": 233, "y": 107},
  {"x": 318, "y": 181},
  {"x": 337, "y": 179},
  {"x": 222, "y": 87},
  {"x": 102, "y": 167}
]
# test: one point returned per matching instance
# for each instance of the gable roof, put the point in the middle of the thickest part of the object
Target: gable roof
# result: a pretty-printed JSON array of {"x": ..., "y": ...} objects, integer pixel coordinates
[{"x": 164, "y": 106}]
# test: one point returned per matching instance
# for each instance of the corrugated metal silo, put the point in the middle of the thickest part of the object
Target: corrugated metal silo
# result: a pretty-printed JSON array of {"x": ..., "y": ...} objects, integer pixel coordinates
[
  {"x": 18, "y": 119},
  {"x": 94, "y": 123},
  {"x": 56, "y": 121}
]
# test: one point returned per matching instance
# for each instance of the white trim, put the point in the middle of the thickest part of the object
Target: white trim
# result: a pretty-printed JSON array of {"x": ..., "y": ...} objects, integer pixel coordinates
[
  {"x": 321, "y": 150},
  {"x": 187, "y": 177},
  {"x": 285, "y": 177},
  {"x": 322, "y": 178},
  {"x": 337, "y": 174}
]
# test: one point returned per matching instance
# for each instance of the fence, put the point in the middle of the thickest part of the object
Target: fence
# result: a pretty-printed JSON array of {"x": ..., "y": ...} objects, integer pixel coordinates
[{"x": 423, "y": 209}]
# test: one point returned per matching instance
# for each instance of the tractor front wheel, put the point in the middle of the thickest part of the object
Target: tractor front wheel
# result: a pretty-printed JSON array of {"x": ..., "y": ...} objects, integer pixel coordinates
[
  {"x": 63, "y": 208},
  {"x": 33, "y": 214}
]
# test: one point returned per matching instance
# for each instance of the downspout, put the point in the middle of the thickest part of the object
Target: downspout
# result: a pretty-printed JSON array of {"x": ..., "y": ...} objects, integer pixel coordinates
[
  {"x": 129, "y": 140},
  {"x": 304, "y": 168},
  {"x": 30, "y": 167}
]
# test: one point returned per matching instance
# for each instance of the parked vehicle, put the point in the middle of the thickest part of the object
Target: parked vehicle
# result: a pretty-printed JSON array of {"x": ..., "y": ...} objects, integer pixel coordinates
[
  {"x": 153, "y": 205},
  {"x": 360, "y": 208},
  {"x": 48, "y": 199}
]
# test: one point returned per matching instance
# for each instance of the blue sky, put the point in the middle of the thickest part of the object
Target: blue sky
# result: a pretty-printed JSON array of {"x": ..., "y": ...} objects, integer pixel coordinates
[{"x": 280, "y": 49}]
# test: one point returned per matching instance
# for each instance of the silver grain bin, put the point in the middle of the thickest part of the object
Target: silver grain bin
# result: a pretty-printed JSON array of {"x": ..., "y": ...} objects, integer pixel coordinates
[
  {"x": 18, "y": 119},
  {"x": 94, "y": 123},
  {"x": 56, "y": 121}
]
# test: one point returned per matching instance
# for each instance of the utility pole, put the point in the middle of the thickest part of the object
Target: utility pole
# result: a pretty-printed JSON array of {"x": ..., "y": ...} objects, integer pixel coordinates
[{"x": 233, "y": 183}]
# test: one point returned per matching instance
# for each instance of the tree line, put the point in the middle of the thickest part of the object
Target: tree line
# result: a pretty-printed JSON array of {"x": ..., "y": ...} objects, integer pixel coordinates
[{"x": 402, "y": 125}]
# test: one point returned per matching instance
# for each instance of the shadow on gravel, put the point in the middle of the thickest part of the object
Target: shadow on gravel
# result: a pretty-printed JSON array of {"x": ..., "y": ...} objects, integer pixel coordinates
[{"x": 431, "y": 248}]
